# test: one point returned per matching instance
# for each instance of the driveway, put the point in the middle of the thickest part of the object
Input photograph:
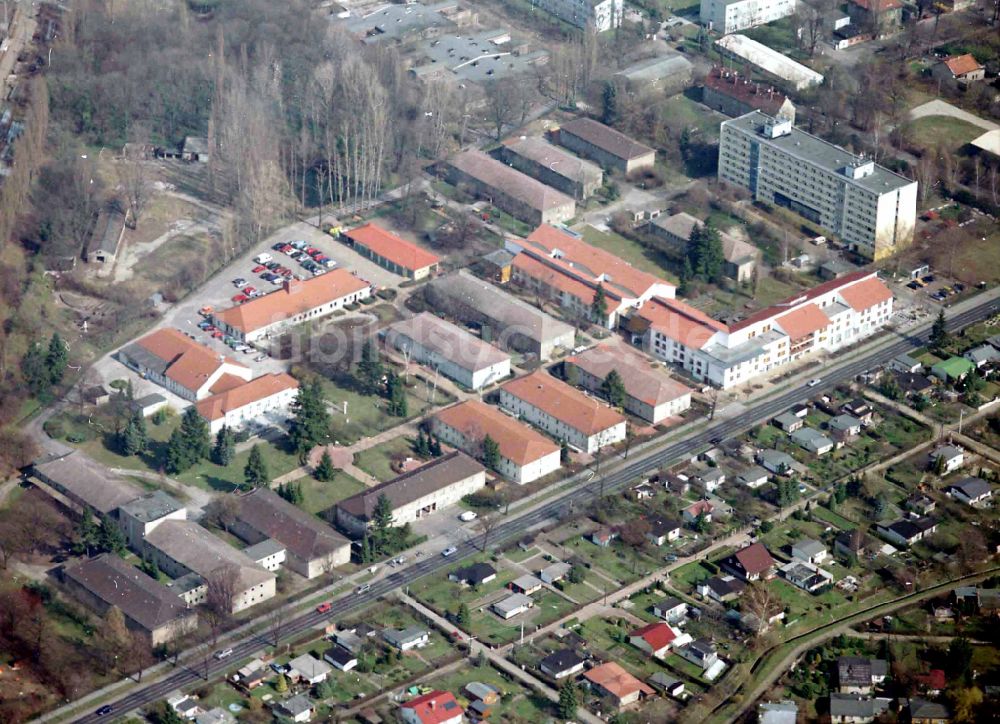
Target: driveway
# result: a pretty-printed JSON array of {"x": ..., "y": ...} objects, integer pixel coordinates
[{"x": 943, "y": 108}]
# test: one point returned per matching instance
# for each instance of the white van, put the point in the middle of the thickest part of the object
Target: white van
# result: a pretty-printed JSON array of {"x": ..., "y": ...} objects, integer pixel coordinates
[{"x": 263, "y": 258}]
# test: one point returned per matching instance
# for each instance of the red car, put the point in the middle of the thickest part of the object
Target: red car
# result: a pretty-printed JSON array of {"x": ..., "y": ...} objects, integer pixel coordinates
[
  {"x": 249, "y": 291},
  {"x": 240, "y": 298},
  {"x": 287, "y": 273},
  {"x": 324, "y": 607},
  {"x": 312, "y": 251},
  {"x": 217, "y": 334},
  {"x": 259, "y": 268}
]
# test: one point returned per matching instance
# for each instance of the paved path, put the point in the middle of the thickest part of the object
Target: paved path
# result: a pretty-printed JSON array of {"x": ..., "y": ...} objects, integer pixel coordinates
[
  {"x": 919, "y": 638},
  {"x": 495, "y": 656},
  {"x": 938, "y": 107}
]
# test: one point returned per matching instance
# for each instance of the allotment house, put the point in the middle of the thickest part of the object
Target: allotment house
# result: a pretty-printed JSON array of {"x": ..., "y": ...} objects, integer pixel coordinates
[
  {"x": 563, "y": 412},
  {"x": 415, "y": 494},
  {"x": 431, "y": 341}
]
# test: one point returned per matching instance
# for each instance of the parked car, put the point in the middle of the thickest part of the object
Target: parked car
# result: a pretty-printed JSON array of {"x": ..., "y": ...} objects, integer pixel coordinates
[
  {"x": 104, "y": 710},
  {"x": 259, "y": 268},
  {"x": 467, "y": 516},
  {"x": 263, "y": 258},
  {"x": 272, "y": 265},
  {"x": 300, "y": 244},
  {"x": 364, "y": 588},
  {"x": 239, "y": 282},
  {"x": 450, "y": 550},
  {"x": 240, "y": 298}
]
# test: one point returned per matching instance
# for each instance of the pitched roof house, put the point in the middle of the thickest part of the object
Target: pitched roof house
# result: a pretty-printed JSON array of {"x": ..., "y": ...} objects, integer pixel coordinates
[{"x": 750, "y": 563}]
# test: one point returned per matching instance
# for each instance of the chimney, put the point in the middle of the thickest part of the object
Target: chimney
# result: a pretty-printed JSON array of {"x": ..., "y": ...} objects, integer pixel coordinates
[{"x": 292, "y": 286}]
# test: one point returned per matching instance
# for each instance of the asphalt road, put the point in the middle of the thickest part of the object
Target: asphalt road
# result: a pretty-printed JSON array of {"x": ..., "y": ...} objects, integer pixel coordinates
[{"x": 576, "y": 499}]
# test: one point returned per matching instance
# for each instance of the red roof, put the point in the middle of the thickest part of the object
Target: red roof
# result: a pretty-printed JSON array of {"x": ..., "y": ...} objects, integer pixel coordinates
[
  {"x": 699, "y": 507},
  {"x": 933, "y": 679},
  {"x": 866, "y": 294},
  {"x": 657, "y": 635},
  {"x": 247, "y": 393},
  {"x": 805, "y": 296},
  {"x": 564, "y": 403},
  {"x": 755, "y": 559},
  {"x": 435, "y": 707},
  {"x": 389, "y": 246},
  {"x": 803, "y": 321},
  {"x": 682, "y": 322}
]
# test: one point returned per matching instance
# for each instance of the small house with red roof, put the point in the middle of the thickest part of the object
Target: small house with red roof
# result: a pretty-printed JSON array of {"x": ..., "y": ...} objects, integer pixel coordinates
[
  {"x": 435, "y": 707},
  {"x": 960, "y": 69},
  {"x": 752, "y": 563},
  {"x": 655, "y": 639},
  {"x": 701, "y": 508}
]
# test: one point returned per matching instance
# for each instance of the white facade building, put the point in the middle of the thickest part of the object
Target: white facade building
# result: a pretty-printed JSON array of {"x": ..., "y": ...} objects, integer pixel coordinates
[
  {"x": 731, "y": 16},
  {"x": 828, "y": 317},
  {"x": 450, "y": 350},
  {"x": 140, "y": 516},
  {"x": 524, "y": 454},
  {"x": 871, "y": 208},
  {"x": 563, "y": 412},
  {"x": 248, "y": 402},
  {"x": 600, "y": 14}
]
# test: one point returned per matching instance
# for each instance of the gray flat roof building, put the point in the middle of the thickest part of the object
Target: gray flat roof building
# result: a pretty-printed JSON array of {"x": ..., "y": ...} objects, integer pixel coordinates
[
  {"x": 673, "y": 71},
  {"x": 484, "y": 56},
  {"x": 513, "y": 324},
  {"x": 396, "y": 22}
]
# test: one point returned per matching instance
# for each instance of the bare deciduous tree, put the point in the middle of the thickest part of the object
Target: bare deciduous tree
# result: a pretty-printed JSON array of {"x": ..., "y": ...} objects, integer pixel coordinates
[
  {"x": 222, "y": 584},
  {"x": 763, "y": 603}
]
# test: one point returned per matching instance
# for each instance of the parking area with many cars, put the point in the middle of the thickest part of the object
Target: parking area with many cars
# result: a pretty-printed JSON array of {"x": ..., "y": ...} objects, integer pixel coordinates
[{"x": 244, "y": 279}]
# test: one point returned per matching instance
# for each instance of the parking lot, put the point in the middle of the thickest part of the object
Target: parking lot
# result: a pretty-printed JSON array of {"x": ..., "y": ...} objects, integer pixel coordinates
[{"x": 219, "y": 291}]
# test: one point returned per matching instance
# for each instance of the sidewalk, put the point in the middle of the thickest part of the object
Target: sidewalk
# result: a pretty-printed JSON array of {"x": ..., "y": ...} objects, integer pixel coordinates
[{"x": 495, "y": 656}]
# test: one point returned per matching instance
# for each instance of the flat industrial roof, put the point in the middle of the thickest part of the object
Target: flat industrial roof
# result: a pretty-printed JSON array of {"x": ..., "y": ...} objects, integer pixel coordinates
[
  {"x": 770, "y": 60},
  {"x": 818, "y": 152}
]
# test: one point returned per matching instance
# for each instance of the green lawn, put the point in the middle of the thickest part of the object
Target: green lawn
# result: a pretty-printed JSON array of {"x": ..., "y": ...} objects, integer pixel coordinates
[
  {"x": 647, "y": 260},
  {"x": 834, "y": 519},
  {"x": 318, "y": 496},
  {"x": 366, "y": 414},
  {"x": 619, "y": 561},
  {"x": 689, "y": 575},
  {"x": 932, "y": 131},
  {"x": 376, "y": 461}
]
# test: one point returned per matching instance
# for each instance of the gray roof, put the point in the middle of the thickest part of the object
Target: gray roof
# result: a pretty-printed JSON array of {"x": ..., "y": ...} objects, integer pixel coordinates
[
  {"x": 654, "y": 69},
  {"x": 500, "y": 257},
  {"x": 608, "y": 139},
  {"x": 527, "y": 581},
  {"x": 494, "y": 174},
  {"x": 557, "y": 160},
  {"x": 948, "y": 451},
  {"x": 651, "y": 386},
  {"x": 309, "y": 666},
  {"x": 108, "y": 232},
  {"x": 669, "y": 603},
  {"x": 787, "y": 418},
  {"x": 153, "y": 398},
  {"x": 817, "y": 152},
  {"x": 303, "y": 535},
  {"x": 776, "y": 458},
  {"x": 752, "y": 474},
  {"x": 480, "y": 690},
  {"x": 843, "y": 422},
  {"x": 972, "y": 487},
  {"x": 807, "y": 437},
  {"x": 561, "y": 660},
  {"x": 296, "y": 704},
  {"x": 81, "y": 478},
  {"x": 194, "y": 547},
  {"x": 142, "y": 356},
  {"x": 393, "y": 22},
  {"x": 401, "y": 637},
  {"x": 478, "y": 299},
  {"x": 488, "y": 55},
  {"x": 808, "y": 547},
  {"x": 680, "y": 225},
  {"x": 152, "y": 507},
  {"x": 982, "y": 354},
  {"x": 513, "y": 602},
  {"x": 852, "y": 705},
  {"x": 446, "y": 340},
  {"x": 556, "y": 570},
  {"x": 140, "y": 598},
  {"x": 664, "y": 681},
  {"x": 195, "y": 144},
  {"x": 928, "y": 709},
  {"x": 777, "y": 712},
  {"x": 435, "y": 475},
  {"x": 265, "y": 549}
]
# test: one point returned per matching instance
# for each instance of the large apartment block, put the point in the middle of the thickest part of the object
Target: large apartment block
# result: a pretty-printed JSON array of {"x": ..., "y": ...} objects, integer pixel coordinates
[
  {"x": 869, "y": 207},
  {"x": 563, "y": 412},
  {"x": 599, "y": 14},
  {"x": 829, "y": 317},
  {"x": 731, "y": 16}
]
